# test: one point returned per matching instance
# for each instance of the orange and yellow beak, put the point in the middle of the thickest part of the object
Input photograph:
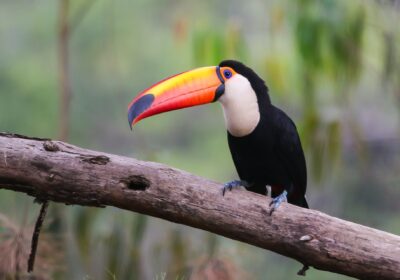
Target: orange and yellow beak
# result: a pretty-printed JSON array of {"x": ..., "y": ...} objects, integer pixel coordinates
[{"x": 191, "y": 88}]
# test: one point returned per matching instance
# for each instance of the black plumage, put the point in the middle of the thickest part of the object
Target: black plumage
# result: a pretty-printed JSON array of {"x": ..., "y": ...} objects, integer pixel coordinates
[{"x": 272, "y": 153}]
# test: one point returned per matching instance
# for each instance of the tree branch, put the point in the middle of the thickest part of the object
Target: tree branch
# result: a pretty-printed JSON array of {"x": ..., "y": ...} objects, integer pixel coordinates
[{"x": 57, "y": 171}]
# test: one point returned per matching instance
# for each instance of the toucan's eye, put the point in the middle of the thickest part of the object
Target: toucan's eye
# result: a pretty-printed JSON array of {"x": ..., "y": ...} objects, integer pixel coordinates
[{"x": 227, "y": 73}]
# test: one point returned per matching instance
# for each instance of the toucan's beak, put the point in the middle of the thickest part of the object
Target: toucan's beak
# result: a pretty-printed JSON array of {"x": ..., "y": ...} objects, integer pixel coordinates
[{"x": 191, "y": 88}]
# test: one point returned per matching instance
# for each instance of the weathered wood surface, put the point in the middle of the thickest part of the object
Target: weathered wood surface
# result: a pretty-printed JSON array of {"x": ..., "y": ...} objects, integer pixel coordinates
[{"x": 57, "y": 171}]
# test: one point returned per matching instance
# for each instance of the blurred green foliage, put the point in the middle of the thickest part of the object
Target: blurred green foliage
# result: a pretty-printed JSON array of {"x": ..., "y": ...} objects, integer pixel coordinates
[{"x": 334, "y": 66}]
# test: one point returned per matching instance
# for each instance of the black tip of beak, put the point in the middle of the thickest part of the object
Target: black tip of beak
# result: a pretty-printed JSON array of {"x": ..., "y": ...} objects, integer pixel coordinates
[
  {"x": 139, "y": 107},
  {"x": 130, "y": 117}
]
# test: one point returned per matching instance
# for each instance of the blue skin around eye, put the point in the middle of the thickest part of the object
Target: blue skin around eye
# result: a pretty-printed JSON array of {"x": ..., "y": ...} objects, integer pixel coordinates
[{"x": 227, "y": 74}]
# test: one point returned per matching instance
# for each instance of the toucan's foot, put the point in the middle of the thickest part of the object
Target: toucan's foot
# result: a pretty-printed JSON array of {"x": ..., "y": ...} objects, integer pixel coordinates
[
  {"x": 234, "y": 184},
  {"x": 276, "y": 201}
]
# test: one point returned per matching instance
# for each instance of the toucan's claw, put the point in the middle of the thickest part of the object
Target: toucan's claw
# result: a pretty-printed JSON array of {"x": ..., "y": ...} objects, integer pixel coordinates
[
  {"x": 234, "y": 184},
  {"x": 276, "y": 201}
]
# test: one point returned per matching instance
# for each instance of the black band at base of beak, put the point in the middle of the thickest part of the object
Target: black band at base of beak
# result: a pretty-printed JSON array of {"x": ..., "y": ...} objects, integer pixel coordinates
[
  {"x": 219, "y": 74},
  {"x": 221, "y": 89}
]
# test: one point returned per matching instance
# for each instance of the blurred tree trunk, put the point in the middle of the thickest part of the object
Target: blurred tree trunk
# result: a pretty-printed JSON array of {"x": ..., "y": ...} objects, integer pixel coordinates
[{"x": 63, "y": 70}]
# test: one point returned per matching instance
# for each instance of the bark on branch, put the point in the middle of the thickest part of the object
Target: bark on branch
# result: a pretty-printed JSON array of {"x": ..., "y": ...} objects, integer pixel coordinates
[{"x": 57, "y": 171}]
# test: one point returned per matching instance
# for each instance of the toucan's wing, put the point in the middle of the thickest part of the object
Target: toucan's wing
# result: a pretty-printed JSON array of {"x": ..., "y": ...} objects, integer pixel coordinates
[{"x": 289, "y": 150}]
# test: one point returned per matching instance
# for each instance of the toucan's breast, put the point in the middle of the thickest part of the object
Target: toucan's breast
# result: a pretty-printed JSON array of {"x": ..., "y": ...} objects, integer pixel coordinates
[{"x": 255, "y": 157}]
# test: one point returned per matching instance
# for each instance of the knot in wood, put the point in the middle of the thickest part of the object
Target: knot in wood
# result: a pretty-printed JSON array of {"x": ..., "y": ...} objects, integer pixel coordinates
[
  {"x": 306, "y": 238},
  {"x": 100, "y": 160},
  {"x": 136, "y": 182},
  {"x": 51, "y": 146}
]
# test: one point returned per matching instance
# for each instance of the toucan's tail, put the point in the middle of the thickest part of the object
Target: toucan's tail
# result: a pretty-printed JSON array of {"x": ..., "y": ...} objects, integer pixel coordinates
[{"x": 303, "y": 202}]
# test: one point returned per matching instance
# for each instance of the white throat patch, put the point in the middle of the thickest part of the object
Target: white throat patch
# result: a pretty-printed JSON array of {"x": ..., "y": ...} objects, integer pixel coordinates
[{"x": 240, "y": 106}]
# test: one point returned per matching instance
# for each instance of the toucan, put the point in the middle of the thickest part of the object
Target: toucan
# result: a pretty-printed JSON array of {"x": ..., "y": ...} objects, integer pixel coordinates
[{"x": 263, "y": 140}]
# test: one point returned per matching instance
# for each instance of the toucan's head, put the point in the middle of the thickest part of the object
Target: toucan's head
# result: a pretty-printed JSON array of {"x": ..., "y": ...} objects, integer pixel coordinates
[{"x": 237, "y": 87}]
